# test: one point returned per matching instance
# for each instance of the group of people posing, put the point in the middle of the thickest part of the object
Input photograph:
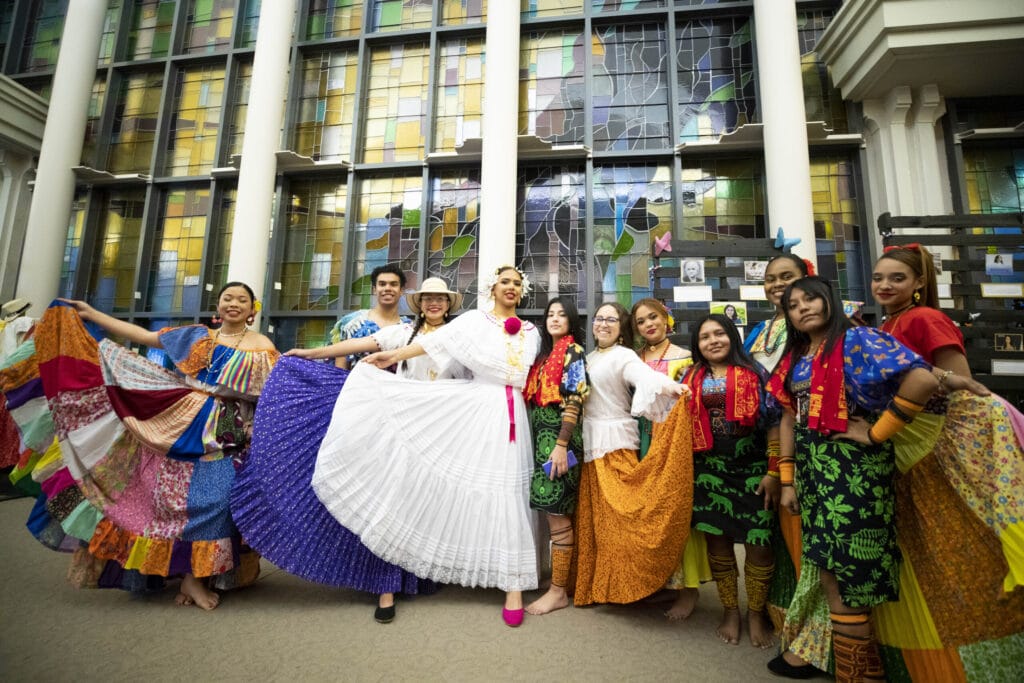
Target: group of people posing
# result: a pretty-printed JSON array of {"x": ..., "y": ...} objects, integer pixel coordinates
[{"x": 877, "y": 490}]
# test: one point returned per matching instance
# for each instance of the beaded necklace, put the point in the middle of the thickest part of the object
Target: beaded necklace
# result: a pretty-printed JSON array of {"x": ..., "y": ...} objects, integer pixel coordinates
[
  {"x": 643, "y": 355},
  {"x": 216, "y": 339}
]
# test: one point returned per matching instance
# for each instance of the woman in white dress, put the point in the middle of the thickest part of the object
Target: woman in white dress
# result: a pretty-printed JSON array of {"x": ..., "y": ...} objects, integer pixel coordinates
[{"x": 434, "y": 476}]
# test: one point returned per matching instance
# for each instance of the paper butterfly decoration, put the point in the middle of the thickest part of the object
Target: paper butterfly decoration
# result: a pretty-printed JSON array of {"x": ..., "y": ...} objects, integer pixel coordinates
[
  {"x": 784, "y": 243},
  {"x": 663, "y": 243}
]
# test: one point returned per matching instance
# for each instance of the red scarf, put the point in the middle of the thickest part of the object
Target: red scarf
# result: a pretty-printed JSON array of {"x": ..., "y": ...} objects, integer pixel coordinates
[
  {"x": 742, "y": 402},
  {"x": 544, "y": 383},
  {"x": 826, "y": 412}
]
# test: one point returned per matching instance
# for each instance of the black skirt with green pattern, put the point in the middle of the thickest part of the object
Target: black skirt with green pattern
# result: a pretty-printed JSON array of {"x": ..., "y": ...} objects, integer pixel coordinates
[
  {"x": 847, "y": 510},
  {"x": 558, "y": 496},
  {"x": 725, "y": 481}
]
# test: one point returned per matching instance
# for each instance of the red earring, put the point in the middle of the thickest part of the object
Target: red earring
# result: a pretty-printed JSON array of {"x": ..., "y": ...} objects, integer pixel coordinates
[{"x": 217, "y": 320}]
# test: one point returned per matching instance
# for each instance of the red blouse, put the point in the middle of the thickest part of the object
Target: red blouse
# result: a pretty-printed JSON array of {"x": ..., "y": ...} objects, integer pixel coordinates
[{"x": 925, "y": 330}]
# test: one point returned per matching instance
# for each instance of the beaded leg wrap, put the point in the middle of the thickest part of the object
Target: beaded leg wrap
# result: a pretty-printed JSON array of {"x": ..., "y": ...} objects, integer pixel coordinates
[
  {"x": 725, "y": 574},
  {"x": 757, "y": 578},
  {"x": 561, "y": 557},
  {"x": 856, "y": 656}
]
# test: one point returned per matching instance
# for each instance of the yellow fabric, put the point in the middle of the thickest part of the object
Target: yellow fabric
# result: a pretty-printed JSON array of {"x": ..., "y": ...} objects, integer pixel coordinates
[
  {"x": 1012, "y": 540},
  {"x": 693, "y": 569},
  {"x": 137, "y": 556},
  {"x": 917, "y": 439},
  {"x": 907, "y": 623},
  {"x": 677, "y": 366},
  {"x": 48, "y": 463}
]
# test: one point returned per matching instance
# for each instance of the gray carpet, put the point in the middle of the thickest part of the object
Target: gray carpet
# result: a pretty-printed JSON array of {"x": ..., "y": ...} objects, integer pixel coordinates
[{"x": 285, "y": 629}]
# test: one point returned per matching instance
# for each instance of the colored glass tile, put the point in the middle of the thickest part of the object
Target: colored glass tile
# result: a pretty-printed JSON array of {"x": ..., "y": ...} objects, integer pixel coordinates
[
  {"x": 111, "y": 285},
  {"x": 199, "y": 94}
]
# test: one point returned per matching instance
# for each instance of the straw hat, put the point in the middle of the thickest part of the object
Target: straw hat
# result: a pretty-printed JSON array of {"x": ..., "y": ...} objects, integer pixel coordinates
[
  {"x": 433, "y": 285},
  {"x": 14, "y": 308}
]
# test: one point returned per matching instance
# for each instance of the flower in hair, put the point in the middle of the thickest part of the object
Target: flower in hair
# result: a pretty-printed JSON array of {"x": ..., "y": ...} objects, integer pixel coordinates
[
  {"x": 513, "y": 325},
  {"x": 492, "y": 279}
]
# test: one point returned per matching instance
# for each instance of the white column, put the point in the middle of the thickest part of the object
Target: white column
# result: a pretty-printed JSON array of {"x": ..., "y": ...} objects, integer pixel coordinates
[
  {"x": 497, "y": 244},
  {"x": 250, "y": 238},
  {"x": 786, "y": 158},
  {"x": 54, "y": 190},
  {"x": 14, "y": 205}
]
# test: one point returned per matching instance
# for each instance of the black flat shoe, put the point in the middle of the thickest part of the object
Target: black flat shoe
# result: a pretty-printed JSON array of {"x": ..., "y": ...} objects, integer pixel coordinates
[
  {"x": 384, "y": 615},
  {"x": 780, "y": 667}
]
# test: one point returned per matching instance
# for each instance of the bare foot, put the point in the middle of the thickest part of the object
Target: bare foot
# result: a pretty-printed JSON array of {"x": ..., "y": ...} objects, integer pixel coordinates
[
  {"x": 761, "y": 630},
  {"x": 664, "y": 595},
  {"x": 729, "y": 629},
  {"x": 514, "y": 600},
  {"x": 683, "y": 607},
  {"x": 183, "y": 600},
  {"x": 555, "y": 598},
  {"x": 196, "y": 593}
]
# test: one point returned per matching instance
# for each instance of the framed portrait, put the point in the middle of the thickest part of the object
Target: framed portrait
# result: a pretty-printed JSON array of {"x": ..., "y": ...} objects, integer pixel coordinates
[
  {"x": 1008, "y": 341},
  {"x": 999, "y": 264},
  {"x": 691, "y": 271},
  {"x": 753, "y": 271},
  {"x": 734, "y": 310}
]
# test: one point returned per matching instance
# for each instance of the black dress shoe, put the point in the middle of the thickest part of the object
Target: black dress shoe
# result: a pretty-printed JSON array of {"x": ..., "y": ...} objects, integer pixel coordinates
[
  {"x": 780, "y": 667},
  {"x": 385, "y": 615}
]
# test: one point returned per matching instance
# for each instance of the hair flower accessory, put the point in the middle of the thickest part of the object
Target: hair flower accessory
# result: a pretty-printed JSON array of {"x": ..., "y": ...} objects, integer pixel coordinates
[
  {"x": 513, "y": 325},
  {"x": 492, "y": 279}
]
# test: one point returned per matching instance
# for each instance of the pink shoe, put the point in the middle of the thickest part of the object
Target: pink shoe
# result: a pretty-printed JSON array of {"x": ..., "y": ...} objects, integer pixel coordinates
[{"x": 512, "y": 617}]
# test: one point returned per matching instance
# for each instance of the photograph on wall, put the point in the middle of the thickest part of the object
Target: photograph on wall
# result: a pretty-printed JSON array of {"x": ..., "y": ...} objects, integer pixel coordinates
[
  {"x": 1009, "y": 342},
  {"x": 692, "y": 271},
  {"x": 937, "y": 258},
  {"x": 753, "y": 271},
  {"x": 734, "y": 310},
  {"x": 999, "y": 264}
]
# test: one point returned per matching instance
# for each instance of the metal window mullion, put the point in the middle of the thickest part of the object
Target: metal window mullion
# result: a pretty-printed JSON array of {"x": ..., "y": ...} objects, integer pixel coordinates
[{"x": 144, "y": 258}]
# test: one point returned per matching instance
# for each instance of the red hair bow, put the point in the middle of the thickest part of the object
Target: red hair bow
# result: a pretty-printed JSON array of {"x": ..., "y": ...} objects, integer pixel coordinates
[{"x": 913, "y": 246}]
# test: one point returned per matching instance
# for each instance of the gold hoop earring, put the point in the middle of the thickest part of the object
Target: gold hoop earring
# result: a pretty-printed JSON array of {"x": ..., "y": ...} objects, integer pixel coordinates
[{"x": 917, "y": 297}]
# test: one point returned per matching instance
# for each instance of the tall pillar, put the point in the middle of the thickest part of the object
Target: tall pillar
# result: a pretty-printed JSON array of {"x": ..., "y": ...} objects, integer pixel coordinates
[
  {"x": 14, "y": 204},
  {"x": 786, "y": 157},
  {"x": 54, "y": 190},
  {"x": 250, "y": 235},
  {"x": 497, "y": 244}
]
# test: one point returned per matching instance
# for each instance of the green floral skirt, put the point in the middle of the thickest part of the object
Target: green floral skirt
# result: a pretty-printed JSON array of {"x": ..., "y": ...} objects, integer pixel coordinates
[
  {"x": 847, "y": 510},
  {"x": 558, "y": 496}
]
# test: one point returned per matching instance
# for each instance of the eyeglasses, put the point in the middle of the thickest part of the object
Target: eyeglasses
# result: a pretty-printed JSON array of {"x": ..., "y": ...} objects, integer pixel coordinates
[{"x": 605, "y": 321}]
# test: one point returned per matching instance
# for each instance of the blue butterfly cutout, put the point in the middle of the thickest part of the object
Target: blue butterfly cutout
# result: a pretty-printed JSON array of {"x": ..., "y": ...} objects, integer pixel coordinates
[{"x": 784, "y": 243}]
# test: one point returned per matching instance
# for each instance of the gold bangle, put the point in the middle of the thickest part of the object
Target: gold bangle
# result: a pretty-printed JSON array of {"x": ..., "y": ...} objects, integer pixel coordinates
[{"x": 563, "y": 444}]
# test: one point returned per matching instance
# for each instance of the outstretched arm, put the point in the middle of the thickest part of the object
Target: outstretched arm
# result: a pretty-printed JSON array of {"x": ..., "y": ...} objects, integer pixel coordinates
[
  {"x": 118, "y": 328},
  {"x": 340, "y": 349},
  {"x": 385, "y": 359}
]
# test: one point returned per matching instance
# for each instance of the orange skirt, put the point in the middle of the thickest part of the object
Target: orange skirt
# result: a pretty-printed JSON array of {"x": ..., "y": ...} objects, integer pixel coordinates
[{"x": 633, "y": 518}]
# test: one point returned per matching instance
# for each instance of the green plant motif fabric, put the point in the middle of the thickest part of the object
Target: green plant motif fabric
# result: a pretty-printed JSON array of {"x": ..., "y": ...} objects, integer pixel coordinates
[
  {"x": 725, "y": 481},
  {"x": 848, "y": 513},
  {"x": 557, "y": 496}
]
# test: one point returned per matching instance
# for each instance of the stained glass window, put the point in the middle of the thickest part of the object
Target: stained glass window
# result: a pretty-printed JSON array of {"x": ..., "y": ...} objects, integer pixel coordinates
[
  {"x": 453, "y": 230},
  {"x": 239, "y": 109},
  {"x": 110, "y": 23},
  {"x": 250, "y": 22},
  {"x": 311, "y": 266},
  {"x": 459, "y": 95},
  {"x": 208, "y": 25},
  {"x": 550, "y": 8},
  {"x": 464, "y": 11},
  {"x": 175, "y": 275},
  {"x": 327, "y": 105},
  {"x": 822, "y": 101},
  {"x": 630, "y": 88},
  {"x": 73, "y": 244},
  {"x": 112, "y": 277},
  {"x": 137, "y": 105},
  {"x": 994, "y": 177},
  {"x": 220, "y": 247},
  {"x": 92, "y": 122},
  {"x": 716, "y": 84},
  {"x": 551, "y": 233},
  {"x": 151, "y": 24},
  {"x": 837, "y": 227},
  {"x": 722, "y": 198},
  {"x": 396, "y": 15},
  {"x": 606, "y": 6},
  {"x": 632, "y": 205},
  {"x": 396, "y": 104},
  {"x": 42, "y": 39},
  {"x": 334, "y": 18},
  {"x": 551, "y": 87},
  {"x": 198, "y": 96},
  {"x": 299, "y": 333},
  {"x": 386, "y": 230},
  {"x": 6, "y": 16}
]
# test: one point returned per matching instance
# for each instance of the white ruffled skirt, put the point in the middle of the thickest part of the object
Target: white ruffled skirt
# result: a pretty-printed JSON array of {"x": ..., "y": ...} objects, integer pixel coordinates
[{"x": 425, "y": 474}]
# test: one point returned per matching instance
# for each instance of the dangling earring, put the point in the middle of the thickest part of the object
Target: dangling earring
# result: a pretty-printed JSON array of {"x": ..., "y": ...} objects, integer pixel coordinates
[
  {"x": 250, "y": 319},
  {"x": 620, "y": 339},
  {"x": 217, "y": 320},
  {"x": 917, "y": 297}
]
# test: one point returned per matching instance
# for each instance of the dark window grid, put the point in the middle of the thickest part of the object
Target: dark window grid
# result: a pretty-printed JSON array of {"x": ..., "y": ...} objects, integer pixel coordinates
[
  {"x": 333, "y": 19},
  {"x": 552, "y": 88},
  {"x": 630, "y": 89},
  {"x": 208, "y": 25},
  {"x": 837, "y": 229},
  {"x": 301, "y": 333},
  {"x": 112, "y": 276},
  {"x": 395, "y": 105},
  {"x": 326, "y": 107},
  {"x": 191, "y": 144},
  {"x": 93, "y": 121},
  {"x": 453, "y": 231},
  {"x": 397, "y": 15},
  {"x": 311, "y": 265},
  {"x": 455, "y": 12},
  {"x": 386, "y": 229},
  {"x": 136, "y": 113},
  {"x": 109, "y": 35},
  {"x": 42, "y": 41},
  {"x": 721, "y": 198},
  {"x": 249, "y": 23},
  {"x": 6, "y": 18},
  {"x": 239, "y": 110},
  {"x": 220, "y": 247},
  {"x": 73, "y": 245},
  {"x": 551, "y": 233},
  {"x": 175, "y": 274},
  {"x": 994, "y": 178},
  {"x": 458, "y": 98},
  {"x": 716, "y": 85},
  {"x": 822, "y": 101},
  {"x": 542, "y": 9},
  {"x": 151, "y": 24},
  {"x": 608, "y": 6}
]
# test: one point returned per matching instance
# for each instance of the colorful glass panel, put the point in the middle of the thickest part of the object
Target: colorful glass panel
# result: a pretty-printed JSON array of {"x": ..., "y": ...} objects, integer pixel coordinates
[
  {"x": 630, "y": 88},
  {"x": 398, "y": 15},
  {"x": 175, "y": 274},
  {"x": 837, "y": 228},
  {"x": 715, "y": 77},
  {"x": 198, "y": 100},
  {"x": 112, "y": 276},
  {"x": 42, "y": 39},
  {"x": 531, "y": 9},
  {"x": 453, "y": 230},
  {"x": 92, "y": 122},
  {"x": 311, "y": 266},
  {"x": 109, "y": 34},
  {"x": 822, "y": 100},
  {"x": 208, "y": 25},
  {"x": 995, "y": 178},
  {"x": 135, "y": 117},
  {"x": 300, "y": 333},
  {"x": 326, "y": 110},
  {"x": 239, "y": 103},
  {"x": 454, "y": 12},
  {"x": 73, "y": 244},
  {"x": 721, "y": 198},
  {"x": 459, "y": 93},
  {"x": 250, "y": 23},
  {"x": 220, "y": 247},
  {"x": 396, "y": 104},
  {"x": 151, "y": 24},
  {"x": 607, "y": 6},
  {"x": 551, "y": 86},
  {"x": 334, "y": 18}
]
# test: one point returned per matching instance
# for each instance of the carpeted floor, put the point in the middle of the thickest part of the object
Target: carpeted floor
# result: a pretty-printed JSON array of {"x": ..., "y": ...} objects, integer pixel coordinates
[{"x": 285, "y": 629}]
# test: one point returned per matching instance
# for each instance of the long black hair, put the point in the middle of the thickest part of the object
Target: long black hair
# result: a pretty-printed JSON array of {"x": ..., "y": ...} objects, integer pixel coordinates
[
  {"x": 737, "y": 356},
  {"x": 815, "y": 287},
  {"x": 247, "y": 288},
  {"x": 575, "y": 326}
]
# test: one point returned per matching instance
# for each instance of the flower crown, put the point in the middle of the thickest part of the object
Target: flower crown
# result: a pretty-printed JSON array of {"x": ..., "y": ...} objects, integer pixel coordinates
[{"x": 492, "y": 279}]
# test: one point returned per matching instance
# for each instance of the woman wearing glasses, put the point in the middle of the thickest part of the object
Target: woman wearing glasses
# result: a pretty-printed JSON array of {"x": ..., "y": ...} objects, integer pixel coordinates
[{"x": 631, "y": 519}]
